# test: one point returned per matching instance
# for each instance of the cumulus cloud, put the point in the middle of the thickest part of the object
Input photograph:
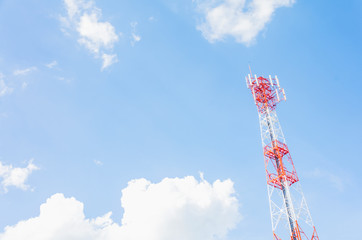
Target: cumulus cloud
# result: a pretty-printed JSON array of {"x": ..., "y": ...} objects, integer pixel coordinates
[
  {"x": 176, "y": 209},
  {"x": 15, "y": 176},
  {"x": 240, "y": 19},
  {"x": 97, "y": 36},
  {"x": 4, "y": 88},
  {"x": 94, "y": 34},
  {"x": 24, "y": 71}
]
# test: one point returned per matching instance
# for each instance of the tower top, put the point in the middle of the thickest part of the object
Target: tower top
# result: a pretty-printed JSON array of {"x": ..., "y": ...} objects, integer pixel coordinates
[
  {"x": 267, "y": 92},
  {"x": 286, "y": 200}
]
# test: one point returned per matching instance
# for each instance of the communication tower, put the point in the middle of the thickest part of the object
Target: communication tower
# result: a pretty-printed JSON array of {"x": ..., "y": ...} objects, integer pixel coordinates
[{"x": 289, "y": 212}]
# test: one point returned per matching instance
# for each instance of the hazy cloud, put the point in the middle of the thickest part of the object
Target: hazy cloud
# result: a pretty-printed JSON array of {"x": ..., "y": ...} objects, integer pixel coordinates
[
  {"x": 51, "y": 64},
  {"x": 24, "y": 71},
  {"x": 24, "y": 85},
  {"x": 177, "y": 209},
  {"x": 4, "y": 88},
  {"x": 134, "y": 36},
  {"x": 97, "y": 162},
  {"x": 240, "y": 19},
  {"x": 108, "y": 60},
  {"x": 336, "y": 181}
]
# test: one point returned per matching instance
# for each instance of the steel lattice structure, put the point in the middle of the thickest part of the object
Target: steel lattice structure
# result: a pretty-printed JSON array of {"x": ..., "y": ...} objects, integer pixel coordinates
[{"x": 289, "y": 212}]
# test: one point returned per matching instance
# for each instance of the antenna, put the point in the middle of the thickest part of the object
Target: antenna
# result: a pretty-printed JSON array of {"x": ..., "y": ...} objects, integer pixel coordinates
[{"x": 250, "y": 70}]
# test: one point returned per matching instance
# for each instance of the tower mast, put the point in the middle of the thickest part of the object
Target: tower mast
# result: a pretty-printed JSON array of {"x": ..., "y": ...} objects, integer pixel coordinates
[{"x": 286, "y": 200}]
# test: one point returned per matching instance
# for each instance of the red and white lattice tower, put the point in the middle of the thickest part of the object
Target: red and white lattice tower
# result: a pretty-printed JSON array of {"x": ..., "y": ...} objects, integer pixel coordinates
[{"x": 289, "y": 212}]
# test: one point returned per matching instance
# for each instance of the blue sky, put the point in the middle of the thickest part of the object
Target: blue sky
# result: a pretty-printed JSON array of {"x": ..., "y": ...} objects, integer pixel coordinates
[{"x": 159, "y": 95}]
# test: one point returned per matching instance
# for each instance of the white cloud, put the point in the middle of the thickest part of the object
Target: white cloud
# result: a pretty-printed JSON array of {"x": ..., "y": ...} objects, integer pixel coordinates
[
  {"x": 4, "y": 88},
  {"x": 75, "y": 7},
  {"x": 97, "y": 36},
  {"x": 51, "y": 64},
  {"x": 24, "y": 71},
  {"x": 63, "y": 79},
  {"x": 134, "y": 37},
  {"x": 108, "y": 60},
  {"x": 13, "y": 176},
  {"x": 240, "y": 19},
  {"x": 176, "y": 209},
  {"x": 94, "y": 34}
]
